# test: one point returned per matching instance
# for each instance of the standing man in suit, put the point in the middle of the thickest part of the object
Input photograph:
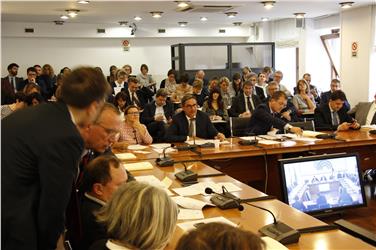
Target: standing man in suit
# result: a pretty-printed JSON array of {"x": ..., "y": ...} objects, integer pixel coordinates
[
  {"x": 135, "y": 96},
  {"x": 9, "y": 84},
  {"x": 244, "y": 104},
  {"x": 267, "y": 116},
  {"x": 333, "y": 116},
  {"x": 157, "y": 115},
  {"x": 365, "y": 112},
  {"x": 335, "y": 85},
  {"x": 191, "y": 123},
  {"x": 40, "y": 163}
]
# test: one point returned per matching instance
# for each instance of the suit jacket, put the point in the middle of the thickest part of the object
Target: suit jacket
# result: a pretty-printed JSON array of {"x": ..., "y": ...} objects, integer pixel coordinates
[
  {"x": 179, "y": 128},
  {"x": 39, "y": 166},
  {"x": 124, "y": 87},
  {"x": 140, "y": 96},
  {"x": 238, "y": 104},
  {"x": 323, "y": 117},
  {"x": 360, "y": 112},
  {"x": 8, "y": 91},
  {"x": 260, "y": 93},
  {"x": 92, "y": 230},
  {"x": 325, "y": 97},
  {"x": 147, "y": 116},
  {"x": 262, "y": 120}
]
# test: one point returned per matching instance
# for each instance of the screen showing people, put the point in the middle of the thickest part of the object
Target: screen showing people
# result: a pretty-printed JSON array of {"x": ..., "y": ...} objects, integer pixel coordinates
[{"x": 324, "y": 183}]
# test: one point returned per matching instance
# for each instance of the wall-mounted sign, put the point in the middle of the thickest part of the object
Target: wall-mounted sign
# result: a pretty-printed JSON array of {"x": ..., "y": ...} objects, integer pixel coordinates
[
  {"x": 354, "y": 49},
  {"x": 126, "y": 45}
]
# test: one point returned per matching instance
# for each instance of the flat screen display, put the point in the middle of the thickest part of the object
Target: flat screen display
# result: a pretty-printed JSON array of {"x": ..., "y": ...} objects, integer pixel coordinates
[{"x": 323, "y": 183}]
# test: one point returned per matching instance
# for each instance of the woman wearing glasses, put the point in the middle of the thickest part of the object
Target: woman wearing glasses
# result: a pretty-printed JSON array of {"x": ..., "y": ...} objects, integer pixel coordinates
[{"x": 132, "y": 131}]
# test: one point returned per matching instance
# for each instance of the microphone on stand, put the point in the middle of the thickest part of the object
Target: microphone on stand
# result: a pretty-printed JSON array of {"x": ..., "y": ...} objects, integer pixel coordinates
[
  {"x": 225, "y": 200},
  {"x": 186, "y": 175},
  {"x": 165, "y": 161}
]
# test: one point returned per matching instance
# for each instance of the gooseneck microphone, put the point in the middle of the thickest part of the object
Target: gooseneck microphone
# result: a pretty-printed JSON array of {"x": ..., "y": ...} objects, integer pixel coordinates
[
  {"x": 165, "y": 161},
  {"x": 225, "y": 200}
]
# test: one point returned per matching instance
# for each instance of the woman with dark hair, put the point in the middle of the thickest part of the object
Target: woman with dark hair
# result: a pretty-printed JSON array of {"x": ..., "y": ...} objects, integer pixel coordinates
[
  {"x": 236, "y": 85},
  {"x": 303, "y": 100},
  {"x": 112, "y": 77},
  {"x": 34, "y": 99},
  {"x": 214, "y": 106},
  {"x": 120, "y": 101},
  {"x": 49, "y": 78},
  {"x": 65, "y": 71}
]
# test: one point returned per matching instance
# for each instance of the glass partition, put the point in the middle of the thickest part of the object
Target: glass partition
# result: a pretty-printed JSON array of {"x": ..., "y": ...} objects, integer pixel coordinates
[{"x": 205, "y": 57}]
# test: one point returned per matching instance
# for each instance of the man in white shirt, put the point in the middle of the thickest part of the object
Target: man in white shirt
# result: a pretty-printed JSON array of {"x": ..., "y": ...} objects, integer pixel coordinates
[{"x": 365, "y": 112}]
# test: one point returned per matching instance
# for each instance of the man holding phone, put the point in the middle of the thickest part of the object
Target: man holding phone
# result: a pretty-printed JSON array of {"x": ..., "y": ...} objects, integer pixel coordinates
[{"x": 333, "y": 116}]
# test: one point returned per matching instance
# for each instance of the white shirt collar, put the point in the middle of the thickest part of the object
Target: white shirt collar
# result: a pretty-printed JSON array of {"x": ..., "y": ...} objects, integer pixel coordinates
[
  {"x": 113, "y": 246},
  {"x": 90, "y": 197}
]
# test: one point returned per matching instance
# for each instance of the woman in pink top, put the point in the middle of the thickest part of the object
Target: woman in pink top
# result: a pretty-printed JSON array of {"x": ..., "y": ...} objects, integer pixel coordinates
[{"x": 132, "y": 131}]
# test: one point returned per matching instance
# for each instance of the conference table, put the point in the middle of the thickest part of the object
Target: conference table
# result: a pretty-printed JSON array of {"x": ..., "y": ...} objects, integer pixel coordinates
[
  {"x": 258, "y": 166},
  {"x": 252, "y": 218}
]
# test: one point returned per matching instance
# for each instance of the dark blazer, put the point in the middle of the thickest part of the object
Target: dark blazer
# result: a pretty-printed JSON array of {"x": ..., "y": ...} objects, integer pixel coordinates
[
  {"x": 260, "y": 93},
  {"x": 323, "y": 117},
  {"x": 92, "y": 230},
  {"x": 141, "y": 97},
  {"x": 39, "y": 166},
  {"x": 238, "y": 104},
  {"x": 124, "y": 87},
  {"x": 200, "y": 98},
  {"x": 325, "y": 97},
  {"x": 147, "y": 116},
  {"x": 289, "y": 107},
  {"x": 179, "y": 128},
  {"x": 262, "y": 120},
  {"x": 8, "y": 91}
]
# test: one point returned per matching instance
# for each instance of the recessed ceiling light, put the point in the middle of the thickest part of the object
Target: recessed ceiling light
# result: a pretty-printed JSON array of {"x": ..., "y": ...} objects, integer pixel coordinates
[
  {"x": 299, "y": 15},
  {"x": 268, "y": 4},
  {"x": 65, "y": 17},
  {"x": 182, "y": 4},
  {"x": 264, "y": 19},
  {"x": 123, "y": 23},
  {"x": 137, "y": 18},
  {"x": 156, "y": 14},
  {"x": 83, "y": 2},
  {"x": 346, "y": 5},
  {"x": 237, "y": 23},
  {"x": 72, "y": 12},
  {"x": 204, "y": 19},
  {"x": 183, "y": 24},
  {"x": 231, "y": 14},
  {"x": 59, "y": 22}
]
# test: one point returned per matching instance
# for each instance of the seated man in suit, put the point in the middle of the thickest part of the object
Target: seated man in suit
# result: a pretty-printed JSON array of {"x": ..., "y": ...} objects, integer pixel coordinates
[
  {"x": 198, "y": 92},
  {"x": 244, "y": 104},
  {"x": 10, "y": 84},
  {"x": 191, "y": 122},
  {"x": 157, "y": 115},
  {"x": 365, "y": 112},
  {"x": 266, "y": 116},
  {"x": 102, "y": 177},
  {"x": 335, "y": 84},
  {"x": 135, "y": 96},
  {"x": 333, "y": 116}
]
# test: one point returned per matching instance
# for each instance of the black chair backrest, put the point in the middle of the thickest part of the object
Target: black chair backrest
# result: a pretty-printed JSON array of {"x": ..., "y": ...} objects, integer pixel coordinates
[
  {"x": 239, "y": 126},
  {"x": 307, "y": 125}
]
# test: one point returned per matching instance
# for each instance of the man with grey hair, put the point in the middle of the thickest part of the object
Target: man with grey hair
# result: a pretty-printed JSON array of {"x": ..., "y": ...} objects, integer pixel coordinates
[
  {"x": 278, "y": 76},
  {"x": 191, "y": 123}
]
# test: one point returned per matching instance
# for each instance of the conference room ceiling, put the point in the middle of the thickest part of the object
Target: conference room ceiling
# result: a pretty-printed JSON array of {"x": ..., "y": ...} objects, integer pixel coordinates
[{"x": 111, "y": 12}]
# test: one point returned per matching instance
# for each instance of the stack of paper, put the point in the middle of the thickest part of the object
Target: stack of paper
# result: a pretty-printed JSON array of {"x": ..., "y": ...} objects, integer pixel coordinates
[
  {"x": 144, "y": 165},
  {"x": 309, "y": 133},
  {"x": 154, "y": 181},
  {"x": 126, "y": 156}
]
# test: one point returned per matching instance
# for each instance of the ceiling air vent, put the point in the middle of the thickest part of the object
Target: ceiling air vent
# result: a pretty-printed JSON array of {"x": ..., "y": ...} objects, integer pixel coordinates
[
  {"x": 161, "y": 30},
  {"x": 29, "y": 30},
  {"x": 101, "y": 31},
  {"x": 222, "y": 31}
]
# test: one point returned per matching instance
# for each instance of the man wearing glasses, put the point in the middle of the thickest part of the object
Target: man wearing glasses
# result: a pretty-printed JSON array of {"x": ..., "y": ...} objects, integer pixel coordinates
[{"x": 191, "y": 123}]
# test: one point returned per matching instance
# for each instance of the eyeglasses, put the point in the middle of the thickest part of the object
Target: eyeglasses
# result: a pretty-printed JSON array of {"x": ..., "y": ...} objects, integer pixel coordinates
[
  {"x": 190, "y": 106},
  {"x": 109, "y": 131},
  {"x": 133, "y": 113}
]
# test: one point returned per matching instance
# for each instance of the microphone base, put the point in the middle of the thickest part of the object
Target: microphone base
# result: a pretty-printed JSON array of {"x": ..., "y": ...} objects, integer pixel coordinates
[
  {"x": 225, "y": 201},
  {"x": 186, "y": 175},
  {"x": 165, "y": 162},
  {"x": 281, "y": 232},
  {"x": 248, "y": 142}
]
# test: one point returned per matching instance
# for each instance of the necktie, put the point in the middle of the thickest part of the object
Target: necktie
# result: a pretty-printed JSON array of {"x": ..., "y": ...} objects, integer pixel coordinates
[
  {"x": 335, "y": 121},
  {"x": 191, "y": 127},
  {"x": 135, "y": 100},
  {"x": 249, "y": 104},
  {"x": 13, "y": 82},
  {"x": 374, "y": 119}
]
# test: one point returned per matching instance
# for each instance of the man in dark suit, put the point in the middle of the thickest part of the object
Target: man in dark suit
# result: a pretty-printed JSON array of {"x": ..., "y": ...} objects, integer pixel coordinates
[
  {"x": 135, "y": 96},
  {"x": 335, "y": 85},
  {"x": 333, "y": 116},
  {"x": 102, "y": 177},
  {"x": 267, "y": 116},
  {"x": 39, "y": 164},
  {"x": 244, "y": 104},
  {"x": 191, "y": 123},
  {"x": 365, "y": 112},
  {"x": 9, "y": 84},
  {"x": 157, "y": 115}
]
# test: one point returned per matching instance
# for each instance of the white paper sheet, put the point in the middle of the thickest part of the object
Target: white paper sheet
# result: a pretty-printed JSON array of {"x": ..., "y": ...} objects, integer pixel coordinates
[
  {"x": 126, "y": 156},
  {"x": 141, "y": 152},
  {"x": 190, "y": 225},
  {"x": 190, "y": 214},
  {"x": 272, "y": 244},
  {"x": 136, "y": 147},
  {"x": 199, "y": 188},
  {"x": 190, "y": 203},
  {"x": 160, "y": 145},
  {"x": 144, "y": 165},
  {"x": 154, "y": 181},
  {"x": 201, "y": 141},
  {"x": 309, "y": 133},
  {"x": 167, "y": 151}
]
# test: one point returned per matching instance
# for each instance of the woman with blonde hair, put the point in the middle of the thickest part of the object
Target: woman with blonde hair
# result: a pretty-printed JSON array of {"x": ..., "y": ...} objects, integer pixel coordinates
[{"x": 139, "y": 216}]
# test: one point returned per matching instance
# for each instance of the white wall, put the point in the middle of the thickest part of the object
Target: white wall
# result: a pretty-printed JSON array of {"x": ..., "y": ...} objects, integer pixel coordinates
[
  {"x": 102, "y": 52},
  {"x": 357, "y": 25}
]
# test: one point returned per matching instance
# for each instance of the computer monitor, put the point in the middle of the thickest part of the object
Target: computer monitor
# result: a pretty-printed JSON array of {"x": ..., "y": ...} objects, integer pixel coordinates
[{"x": 323, "y": 184}]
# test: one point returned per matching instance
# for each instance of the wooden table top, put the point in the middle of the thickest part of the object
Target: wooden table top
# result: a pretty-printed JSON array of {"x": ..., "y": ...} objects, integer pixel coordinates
[{"x": 252, "y": 218}]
